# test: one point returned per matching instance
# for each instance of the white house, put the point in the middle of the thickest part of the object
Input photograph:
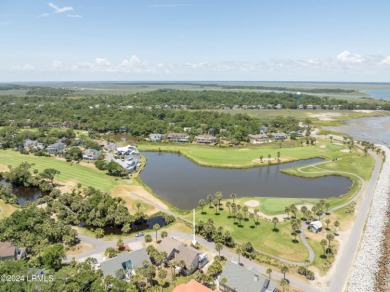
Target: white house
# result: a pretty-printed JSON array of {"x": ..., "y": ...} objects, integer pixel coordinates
[{"x": 316, "y": 226}]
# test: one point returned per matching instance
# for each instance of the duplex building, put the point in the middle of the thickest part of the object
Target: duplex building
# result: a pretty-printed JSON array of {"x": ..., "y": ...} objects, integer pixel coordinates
[
  {"x": 205, "y": 139},
  {"x": 178, "y": 137}
]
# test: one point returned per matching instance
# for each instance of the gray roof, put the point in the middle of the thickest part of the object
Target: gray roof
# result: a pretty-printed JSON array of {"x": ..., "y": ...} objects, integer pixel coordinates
[
  {"x": 168, "y": 245},
  {"x": 241, "y": 279},
  {"x": 187, "y": 254},
  {"x": 136, "y": 258}
]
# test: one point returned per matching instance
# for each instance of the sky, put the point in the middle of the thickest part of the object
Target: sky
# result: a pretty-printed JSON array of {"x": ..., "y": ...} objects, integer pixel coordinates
[{"x": 188, "y": 40}]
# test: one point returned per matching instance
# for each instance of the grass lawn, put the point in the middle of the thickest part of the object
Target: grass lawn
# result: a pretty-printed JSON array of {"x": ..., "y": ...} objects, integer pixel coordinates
[
  {"x": 261, "y": 236},
  {"x": 70, "y": 172}
]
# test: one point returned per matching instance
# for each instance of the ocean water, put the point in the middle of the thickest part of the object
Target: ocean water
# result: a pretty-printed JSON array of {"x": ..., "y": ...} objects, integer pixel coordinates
[
  {"x": 372, "y": 129},
  {"x": 379, "y": 93}
]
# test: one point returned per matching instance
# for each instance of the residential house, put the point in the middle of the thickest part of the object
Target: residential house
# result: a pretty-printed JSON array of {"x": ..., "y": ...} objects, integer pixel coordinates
[
  {"x": 8, "y": 251},
  {"x": 91, "y": 154},
  {"x": 126, "y": 150},
  {"x": 187, "y": 129},
  {"x": 240, "y": 279},
  {"x": 178, "y": 137},
  {"x": 263, "y": 130},
  {"x": 278, "y": 106},
  {"x": 55, "y": 148},
  {"x": 32, "y": 144},
  {"x": 205, "y": 139},
  {"x": 125, "y": 263},
  {"x": 192, "y": 286},
  {"x": 110, "y": 146},
  {"x": 316, "y": 226},
  {"x": 258, "y": 139},
  {"x": 317, "y": 106},
  {"x": 280, "y": 136},
  {"x": 175, "y": 249},
  {"x": 309, "y": 106},
  {"x": 300, "y": 106},
  {"x": 155, "y": 137}
]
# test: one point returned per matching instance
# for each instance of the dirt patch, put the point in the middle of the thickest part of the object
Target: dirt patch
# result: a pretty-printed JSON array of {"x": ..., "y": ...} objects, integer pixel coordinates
[
  {"x": 364, "y": 111},
  {"x": 323, "y": 146},
  {"x": 66, "y": 187},
  {"x": 252, "y": 203},
  {"x": 79, "y": 248},
  {"x": 125, "y": 191},
  {"x": 337, "y": 143},
  {"x": 4, "y": 168},
  {"x": 345, "y": 150},
  {"x": 325, "y": 116}
]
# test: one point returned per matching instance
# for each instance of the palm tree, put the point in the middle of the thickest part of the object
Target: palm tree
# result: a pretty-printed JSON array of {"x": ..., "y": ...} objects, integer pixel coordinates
[
  {"x": 234, "y": 211},
  {"x": 218, "y": 247},
  {"x": 327, "y": 221},
  {"x": 307, "y": 262},
  {"x": 261, "y": 158},
  {"x": 210, "y": 199},
  {"x": 245, "y": 210},
  {"x": 138, "y": 205},
  {"x": 323, "y": 244},
  {"x": 284, "y": 270},
  {"x": 283, "y": 283},
  {"x": 269, "y": 271},
  {"x": 329, "y": 237},
  {"x": 256, "y": 211},
  {"x": 156, "y": 227},
  {"x": 240, "y": 217},
  {"x": 294, "y": 210},
  {"x": 303, "y": 210},
  {"x": 120, "y": 244},
  {"x": 202, "y": 203},
  {"x": 336, "y": 225},
  {"x": 287, "y": 210},
  {"x": 233, "y": 196},
  {"x": 269, "y": 158},
  {"x": 327, "y": 206},
  {"x": 252, "y": 216},
  {"x": 215, "y": 203},
  {"x": 164, "y": 234},
  {"x": 228, "y": 206},
  {"x": 275, "y": 220},
  {"x": 218, "y": 195},
  {"x": 278, "y": 155}
]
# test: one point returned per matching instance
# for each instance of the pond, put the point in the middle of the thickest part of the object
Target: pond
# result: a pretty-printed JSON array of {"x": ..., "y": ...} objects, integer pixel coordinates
[
  {"x": 183, "y": 183},
  {"x": 25, "y": 194}
]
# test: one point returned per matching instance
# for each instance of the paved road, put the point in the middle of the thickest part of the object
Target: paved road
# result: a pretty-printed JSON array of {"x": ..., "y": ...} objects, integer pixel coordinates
[{"x": 101, "y": 245}]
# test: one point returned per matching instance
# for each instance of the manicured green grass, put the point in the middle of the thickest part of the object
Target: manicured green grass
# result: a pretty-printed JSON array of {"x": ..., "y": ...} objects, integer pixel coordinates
[
  {"x": 261, "y": 236},
  {"x": 241, "y": 157},
  {"x": 87, "y": 176}
]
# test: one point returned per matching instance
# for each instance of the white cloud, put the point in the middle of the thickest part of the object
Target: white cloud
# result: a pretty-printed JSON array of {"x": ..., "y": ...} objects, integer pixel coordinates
[
  {"x": 385, "y": 61},
  {"x": 347, "y": 57},
  {"x": 23, "y": 68},
  {"x": 102, "y": 62},
  {"x": 56, "y": 64},
  {"x": 74, "y": 16},
  {"x": 58, "y": 9}
]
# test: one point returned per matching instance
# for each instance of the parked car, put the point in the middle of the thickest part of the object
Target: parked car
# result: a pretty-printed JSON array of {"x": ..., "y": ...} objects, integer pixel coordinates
[{"x": 138, "y": 234}]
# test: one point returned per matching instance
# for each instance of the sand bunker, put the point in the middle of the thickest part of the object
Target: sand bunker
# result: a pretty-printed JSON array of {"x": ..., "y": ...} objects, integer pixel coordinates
[
  {"x": 345, "y": 150},
  {"x": 322, "y": 146},
  {"x": 337, "y": 143},
  {"x": 252, "y": 203}
]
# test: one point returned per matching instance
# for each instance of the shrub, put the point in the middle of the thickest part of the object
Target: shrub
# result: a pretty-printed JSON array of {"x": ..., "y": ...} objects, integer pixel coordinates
[{"x": 148, "y": 238}]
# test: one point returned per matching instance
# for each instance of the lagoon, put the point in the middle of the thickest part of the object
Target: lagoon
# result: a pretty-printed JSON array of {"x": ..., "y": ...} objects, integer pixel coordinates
[{"x": 183, "y": 183}]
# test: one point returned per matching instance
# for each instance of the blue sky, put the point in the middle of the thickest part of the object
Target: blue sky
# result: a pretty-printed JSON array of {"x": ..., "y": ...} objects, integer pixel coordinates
[{"x": 274, "y": 40}]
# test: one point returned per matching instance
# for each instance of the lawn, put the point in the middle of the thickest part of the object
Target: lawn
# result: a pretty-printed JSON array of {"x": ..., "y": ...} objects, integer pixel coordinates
[
  {"x": 262, "y": 237},
  {"x": 70, "y": 172}
]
